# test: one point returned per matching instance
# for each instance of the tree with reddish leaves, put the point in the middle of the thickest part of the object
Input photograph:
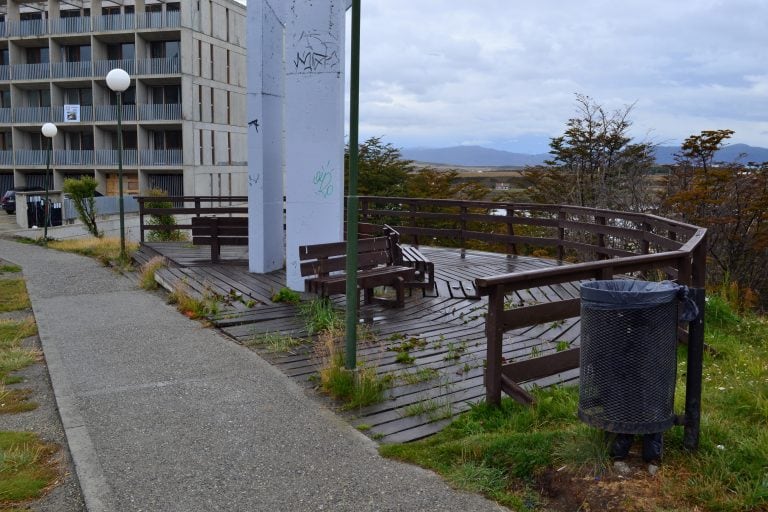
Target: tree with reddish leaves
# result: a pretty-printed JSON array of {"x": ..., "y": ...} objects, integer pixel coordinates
[{"x": 731, "y": 201}]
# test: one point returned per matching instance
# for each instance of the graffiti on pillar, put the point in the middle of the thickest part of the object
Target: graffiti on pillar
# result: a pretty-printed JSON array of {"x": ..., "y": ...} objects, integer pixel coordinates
[
  {"x": 255, "y": 124},
  {"x": 316, "y": 53},
  {"x": 323, "y": 181},
  {"x": 254, "y": 180}
]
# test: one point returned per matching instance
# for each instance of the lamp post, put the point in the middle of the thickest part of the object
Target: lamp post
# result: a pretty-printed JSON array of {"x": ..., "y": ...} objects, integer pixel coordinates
[
  {"x": 49, "y": 131},
  {"x": 118, "y": 80}
]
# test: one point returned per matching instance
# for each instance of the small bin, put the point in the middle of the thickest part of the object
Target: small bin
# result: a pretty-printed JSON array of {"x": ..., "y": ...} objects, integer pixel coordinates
[{"x": 628, "y": 355}]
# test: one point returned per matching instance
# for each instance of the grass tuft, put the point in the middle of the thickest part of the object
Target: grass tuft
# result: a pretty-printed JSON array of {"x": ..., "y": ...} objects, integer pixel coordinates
[
  {"x": 106, "y": 249},
  {"x": 10, "y": 269},
  {"x": 319, "y": 316},
  {"x": 13, "y": 401},
  {"x": 25, "y": 466},
  {"x": 276, "y": 342},
  {"x": 192, "y": 307},
  {"x": 148, "y": 270},
  {"x": 287, "y": 295}
]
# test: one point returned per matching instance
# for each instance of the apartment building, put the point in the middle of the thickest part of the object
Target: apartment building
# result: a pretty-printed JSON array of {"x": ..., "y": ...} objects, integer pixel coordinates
[{"x": 183, "y": 117}]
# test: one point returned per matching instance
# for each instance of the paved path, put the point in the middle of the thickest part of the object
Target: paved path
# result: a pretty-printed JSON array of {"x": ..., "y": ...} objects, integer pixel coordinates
[{"x": 162, "y": 414}]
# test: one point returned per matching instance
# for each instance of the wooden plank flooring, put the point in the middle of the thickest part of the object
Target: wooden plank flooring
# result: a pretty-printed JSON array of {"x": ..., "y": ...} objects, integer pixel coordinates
[{"x": 445, "y": 325}]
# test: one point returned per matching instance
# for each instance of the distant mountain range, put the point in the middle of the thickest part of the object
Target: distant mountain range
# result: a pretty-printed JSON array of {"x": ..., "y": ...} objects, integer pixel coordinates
[{"x": 478, "y": 156}]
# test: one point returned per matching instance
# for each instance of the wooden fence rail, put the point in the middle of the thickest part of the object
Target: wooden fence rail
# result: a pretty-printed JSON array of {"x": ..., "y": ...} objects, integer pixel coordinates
[{"x": 193, "y": 206}]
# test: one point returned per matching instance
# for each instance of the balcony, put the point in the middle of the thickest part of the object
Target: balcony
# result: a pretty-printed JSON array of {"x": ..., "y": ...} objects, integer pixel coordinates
[
  {"x": 31, "y": 157},
  {"x": 113, "y": 22},
  {"x": 40, "y": 71},
  {"x": 73, "y": 157},
  {"x": 5, "y": 72},
  {"x": 158, "y": 66},
  {"x": 3, "y": 29},
  {"x": 157, "y": 112},
  {"x": 161, "y": 157},
  {"x": 6, "y": 158},
  {"x": 71, "y": 69},
  {"x": 109, "y": 113},
  {"x": 171, "y": 19},
  {"x": 5, "y": 115},
  {"x": 69, "y": 25},
  {"x": 26, "y": 28},
  {"x": 31, "y": 114},
  {"x": 102, "y": 67},
  {"x": 109, "y": 157}
]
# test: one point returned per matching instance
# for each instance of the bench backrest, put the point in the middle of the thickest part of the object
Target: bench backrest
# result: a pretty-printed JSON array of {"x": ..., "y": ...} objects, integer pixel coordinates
[
  {"x": 226, "y": 229},
  {"x": 322, "y": 259}
]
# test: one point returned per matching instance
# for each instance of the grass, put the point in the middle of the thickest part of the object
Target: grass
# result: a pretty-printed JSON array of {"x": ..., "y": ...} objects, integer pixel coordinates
[
  {"x": 287, "y": 295},
  {"x": 9, "y": 269},
  {"x": 13, "y": 401},
  {"x": 358, "y": 388},
  {"x": 106, "y": 249},
  {"x": 319, "y": 316},
  {"x": 13, "y": 295},
  {"x": 276, "y": 342},
  {"x": 425, "y": 374},
  {"x": 25, "y": 466},
  {"x": 192, "y": 307},
  {"x": 147, "y": 272},
  {"x": 506, "y": 453}
]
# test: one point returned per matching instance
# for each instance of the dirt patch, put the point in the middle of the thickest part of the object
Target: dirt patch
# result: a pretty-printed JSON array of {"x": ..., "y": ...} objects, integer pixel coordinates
[{"x": 569, "y": 489}]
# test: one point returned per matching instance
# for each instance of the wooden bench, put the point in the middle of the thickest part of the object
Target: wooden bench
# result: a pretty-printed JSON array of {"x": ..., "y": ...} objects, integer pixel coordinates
[
  {"x": 218, "y": 231},
  {"x": 409, "y": 256},
  {"x": 325, "y": 264}
]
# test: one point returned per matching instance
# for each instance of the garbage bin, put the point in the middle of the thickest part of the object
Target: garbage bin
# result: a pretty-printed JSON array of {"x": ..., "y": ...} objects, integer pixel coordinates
[{"x": 628, "y": 355}]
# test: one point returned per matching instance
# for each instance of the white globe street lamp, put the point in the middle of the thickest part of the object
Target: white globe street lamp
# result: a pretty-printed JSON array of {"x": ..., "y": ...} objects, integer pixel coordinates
[
  {"x": 118, "y": 80},
  {"x": 49, "y": 131}
]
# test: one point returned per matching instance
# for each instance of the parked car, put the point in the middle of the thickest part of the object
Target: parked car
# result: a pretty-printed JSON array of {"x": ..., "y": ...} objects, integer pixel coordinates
[{"x": 8, "y": 201}]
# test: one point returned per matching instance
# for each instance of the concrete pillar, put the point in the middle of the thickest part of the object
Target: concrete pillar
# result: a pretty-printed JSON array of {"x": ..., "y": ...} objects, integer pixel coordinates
[
  {"x": 265, "y": 137},
  {"x": 314, "y": 125}
]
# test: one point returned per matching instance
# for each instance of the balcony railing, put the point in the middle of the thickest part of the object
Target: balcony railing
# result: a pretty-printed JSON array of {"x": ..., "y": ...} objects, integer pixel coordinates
[
  {"x": 27, "y": 28},
  {"x": 57, "y": 113},
  {"x": 30, "y": 71},
  {"x": 161, "y": 157},
  {"x": 30, "y": 156},
  {"x": 5, "y": 115},
  {"x": 102, "y": 67},
  {"x": 31, "y": 114},
  {"x": 153, "y": 112},
  {"x": 109, "y": 157},
  {"x": 158, "y": 66},
  {"x": 71, "y": 69},
  {"x": 113, "y": 22},
  {"x": 109, "y": 113},
  {"x": 3, "y": 28},
  {"x": 73, "y": 157},
  {"x": 5, "y": 72},
  {"x": 69, "y": 25},
  {"x": 171, "y": 19},
  {"x": 6, "y": 158}
]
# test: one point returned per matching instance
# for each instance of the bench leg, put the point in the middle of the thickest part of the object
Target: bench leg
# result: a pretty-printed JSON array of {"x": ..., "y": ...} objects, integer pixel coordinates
[
  {"x": 368, "y": 295},
  {"x": 400, "y": 290},
  {"x": 215, "y": 250}
]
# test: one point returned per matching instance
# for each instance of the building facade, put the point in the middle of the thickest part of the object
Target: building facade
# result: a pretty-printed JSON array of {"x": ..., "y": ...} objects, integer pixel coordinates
[{"x": 183, "y": 117}]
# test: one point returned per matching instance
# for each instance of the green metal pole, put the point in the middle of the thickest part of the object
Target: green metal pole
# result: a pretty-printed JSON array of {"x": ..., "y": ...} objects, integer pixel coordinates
[
  {"x": 46, "y": 209},
  {"x": 120, "y": 171},
  {"x": 352, "y": 202}
]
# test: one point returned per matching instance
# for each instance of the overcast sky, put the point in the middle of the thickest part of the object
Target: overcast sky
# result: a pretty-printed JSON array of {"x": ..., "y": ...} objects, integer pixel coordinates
[{"x": 503, "y": 73}]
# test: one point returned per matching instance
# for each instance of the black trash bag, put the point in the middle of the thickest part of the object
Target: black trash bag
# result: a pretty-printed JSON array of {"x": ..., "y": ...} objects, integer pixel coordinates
[
  {"x": 620, "y": 445},
  {"x": 653, "y": 447}
]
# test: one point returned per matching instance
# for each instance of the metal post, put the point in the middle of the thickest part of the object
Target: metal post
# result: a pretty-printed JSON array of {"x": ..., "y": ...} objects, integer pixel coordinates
[
  {"x": 120, "y": 171},
  {"x": 352, "y": 202},
  {"x": 46, "y": 209}
]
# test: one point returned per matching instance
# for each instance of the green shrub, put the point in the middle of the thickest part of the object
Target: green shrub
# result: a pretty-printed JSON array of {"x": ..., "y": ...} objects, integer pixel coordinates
[
  {"x": 82, "y": 192},
  {"x": 165, "y": 221}
]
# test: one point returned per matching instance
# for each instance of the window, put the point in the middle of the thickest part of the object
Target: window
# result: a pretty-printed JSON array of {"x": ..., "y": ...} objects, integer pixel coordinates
[
  {"x": 200, "y": 102},
  {"x": 5, "y": 98},
  {"x": 121, "y": 51},
  {"x": 200, "y": 143},
  {"x": 129, "y": 97},
  {"x": 173, "y": 6},
  {"x": 75, "y": 53},
  {"x": 4, "y": 57},
  {"x": 83, "y": 96},
  {"x": 110, "y": 11},
  {"x": 213, "y": 148},
  {"x": 29, "y": 16},
  {"x": 213, "y": 97},
  {"x": 164, "y": 49},
  {"x": 79, "y": 141},
  {"x": 129, "y": 9},
  {"x": 228, "y": 80},
  {"x": 153, "y": 8},
  {"x": 166, "y": 94},
  {"x": 167, "y": 139},
  {"x": 210, "y": 47},
  {"x": 129, "y": 139},
  {"x": 229, "y": 147},
  {"x": 6, "y": 141},
  {"x": 229, "y": 107},
  {"x": 38, "y": 97},
  {"x": 226, "y": 21},
  {"x": 69, "y": 13},
  {"x": 199, "y": 57},
  {"x": 37, "y": 55}
]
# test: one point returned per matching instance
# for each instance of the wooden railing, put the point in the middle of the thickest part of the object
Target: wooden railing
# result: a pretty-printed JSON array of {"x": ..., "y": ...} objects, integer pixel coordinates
[
  {"x": 190, "y": 206},
  {"x": 601, "y": 244}
]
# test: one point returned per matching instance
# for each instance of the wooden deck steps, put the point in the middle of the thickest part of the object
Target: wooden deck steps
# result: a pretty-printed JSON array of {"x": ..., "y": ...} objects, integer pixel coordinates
[{"x": 446, "y": 374}]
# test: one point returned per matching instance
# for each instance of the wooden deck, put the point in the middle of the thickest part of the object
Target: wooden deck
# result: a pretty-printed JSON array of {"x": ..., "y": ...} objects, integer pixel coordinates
[{"x": 445, "y": 327}]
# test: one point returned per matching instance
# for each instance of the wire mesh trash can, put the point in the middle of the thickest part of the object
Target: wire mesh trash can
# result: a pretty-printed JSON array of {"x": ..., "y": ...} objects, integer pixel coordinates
[{"x": 628, "y": 355}]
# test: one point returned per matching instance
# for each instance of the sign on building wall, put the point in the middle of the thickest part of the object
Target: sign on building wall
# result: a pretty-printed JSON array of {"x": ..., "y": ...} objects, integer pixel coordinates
[{"x": 71, "y": 113}]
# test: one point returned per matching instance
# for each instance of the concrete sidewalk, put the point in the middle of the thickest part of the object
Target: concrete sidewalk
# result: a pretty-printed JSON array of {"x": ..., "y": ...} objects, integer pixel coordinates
[{"x": 162, "y": 414}]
